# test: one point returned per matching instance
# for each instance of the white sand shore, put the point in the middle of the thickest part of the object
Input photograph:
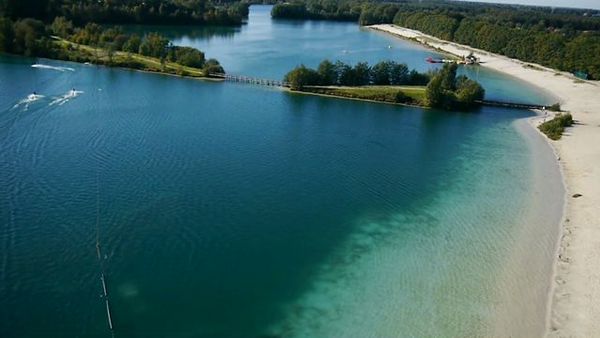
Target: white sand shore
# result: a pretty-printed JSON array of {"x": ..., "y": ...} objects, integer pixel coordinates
[{"x": 575, "y": 300}]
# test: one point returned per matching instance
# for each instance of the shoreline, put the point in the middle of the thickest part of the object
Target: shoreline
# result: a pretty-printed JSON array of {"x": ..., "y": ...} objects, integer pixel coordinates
[
  {"x": 574, "y": 291},
  {"x": 523, "y": 311},
  {"x": 302, "y": 92}
]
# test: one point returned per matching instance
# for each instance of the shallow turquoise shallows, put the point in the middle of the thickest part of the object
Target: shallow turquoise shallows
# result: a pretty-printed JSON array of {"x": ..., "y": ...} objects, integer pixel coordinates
[{"x": 230, "y": 210}]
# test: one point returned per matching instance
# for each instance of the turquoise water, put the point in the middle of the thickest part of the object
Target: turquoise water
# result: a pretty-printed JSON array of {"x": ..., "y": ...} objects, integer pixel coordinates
[{"x": 229, "y": 210}]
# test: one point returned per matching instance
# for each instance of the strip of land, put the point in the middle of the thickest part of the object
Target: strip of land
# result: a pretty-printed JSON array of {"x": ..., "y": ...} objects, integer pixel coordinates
[
  {"x": 575, "y": 300},
  {"x": 133, "y": 61},
  {"x": 402, "y": 95}
]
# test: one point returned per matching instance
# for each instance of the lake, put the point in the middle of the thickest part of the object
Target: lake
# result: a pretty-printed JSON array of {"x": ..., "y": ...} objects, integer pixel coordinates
[{"x": 231, "y": 210}]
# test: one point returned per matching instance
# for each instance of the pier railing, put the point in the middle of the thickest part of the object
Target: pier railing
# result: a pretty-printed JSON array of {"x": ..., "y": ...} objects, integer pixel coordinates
[
  {"x": 510, "y": 104},
  {"x": 250, "y": 80},
  {"x": 277, "y": 83}
]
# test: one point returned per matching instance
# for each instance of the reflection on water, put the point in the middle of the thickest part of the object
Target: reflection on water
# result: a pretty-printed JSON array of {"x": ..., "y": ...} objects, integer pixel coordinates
[{"x": 191, "y": 33}]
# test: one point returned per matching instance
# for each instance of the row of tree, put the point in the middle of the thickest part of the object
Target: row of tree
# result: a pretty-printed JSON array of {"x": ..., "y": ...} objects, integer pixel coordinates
[
  {"x": 152, "y": 44},
  {"x": 565, "y": 50},
  {"x": 318, "y": 10},
  {"x": 444, "y": 88},
  {"x": 129, "y": 11},
  {"x": 361, "y": 74},
  {"x": 561, "y": 38}
]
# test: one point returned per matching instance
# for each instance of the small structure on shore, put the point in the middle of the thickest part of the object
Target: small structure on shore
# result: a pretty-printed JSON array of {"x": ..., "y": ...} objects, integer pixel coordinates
[
  {"x": 470, "y": 59},
  {"x": 466, "y": 60},
  {"x": 581, "y": 75}
]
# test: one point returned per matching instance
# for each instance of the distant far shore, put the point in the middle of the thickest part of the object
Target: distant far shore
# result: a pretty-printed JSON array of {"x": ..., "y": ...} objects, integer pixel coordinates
[{"x": 574, "y": 305}]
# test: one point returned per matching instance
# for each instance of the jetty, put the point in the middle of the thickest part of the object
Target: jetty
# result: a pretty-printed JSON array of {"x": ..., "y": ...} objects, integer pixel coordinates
[
  {"x": 511, "y": 104},
  {"x": 250, "y": 80},
  {"x": 283, "y": 84}
]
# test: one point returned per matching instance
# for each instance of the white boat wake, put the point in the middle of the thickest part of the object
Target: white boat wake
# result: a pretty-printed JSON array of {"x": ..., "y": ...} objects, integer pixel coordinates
[
  {"x": 71, "y": 94},
  {"x": 31, "y": 98},
  {"x": 60, "y": 69}
]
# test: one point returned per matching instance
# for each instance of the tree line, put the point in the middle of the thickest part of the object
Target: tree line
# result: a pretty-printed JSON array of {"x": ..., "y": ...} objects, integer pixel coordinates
[
  {"x": 31, "y": 37},
  {"x": 175, "y": 12},
  {"x": 361, "y": 74},
  {"x": 444, "y": 89},
  {"x": 318, "y": 10},
  {"x": 565, "y": 39}
]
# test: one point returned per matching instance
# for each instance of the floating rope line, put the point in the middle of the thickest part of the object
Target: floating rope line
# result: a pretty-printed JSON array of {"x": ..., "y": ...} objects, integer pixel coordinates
[{"x": 99, "y": 255}]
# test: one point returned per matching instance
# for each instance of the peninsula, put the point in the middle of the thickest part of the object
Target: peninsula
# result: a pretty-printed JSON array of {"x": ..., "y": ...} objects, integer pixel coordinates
[{"x": 390, "y": 82}]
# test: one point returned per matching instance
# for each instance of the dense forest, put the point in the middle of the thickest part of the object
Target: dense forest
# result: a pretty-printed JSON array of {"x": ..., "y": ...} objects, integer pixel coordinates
[
  {"x": 173, "y": 12},
  {"x": 565, "y": 39}
]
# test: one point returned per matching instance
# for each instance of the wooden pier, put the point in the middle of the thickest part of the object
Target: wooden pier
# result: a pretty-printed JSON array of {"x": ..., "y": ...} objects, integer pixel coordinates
[
  {"x": 511, "y": 105},
  {"x": 283, "y": 84},
  {"x": 250, "y": 80}
]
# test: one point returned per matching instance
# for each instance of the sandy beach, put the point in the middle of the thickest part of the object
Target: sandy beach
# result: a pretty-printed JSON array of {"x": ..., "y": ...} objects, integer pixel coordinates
[{"x": 575, "y": 297}]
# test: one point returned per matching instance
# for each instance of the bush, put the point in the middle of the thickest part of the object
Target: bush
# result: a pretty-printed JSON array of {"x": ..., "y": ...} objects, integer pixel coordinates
[
  {"x": 187, "y": 56},
  {"x": 401, "y": 97},
  {"x": 554, "y": 107},
  {"x": 447, "y": 91},
  {"x": 212, "y": 66},
  {"x": 154, "y": 45},
  {"x": 555, "y": 127}
]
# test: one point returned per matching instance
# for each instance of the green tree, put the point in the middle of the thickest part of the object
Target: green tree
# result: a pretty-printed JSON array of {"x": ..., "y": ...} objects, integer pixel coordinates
[
  {"x": 62, "y": 27},
  {"x": 187, "y": 56},
  {"x": 328, "y": 73},
  {"x": 154, "y": 45},
  {"x": 301, "y": 76},
  {"x": 448, "y": 76},
  {"x": 434, "y": 93},
  {"x": 381, "y": 73},
  {"x": 362, "y": 73},
  {"x": 133, "y": 44},
  {"x": 417, "y": 79},
  {"x": 345, "y": 73},
  {"x": 212, "y": 66},
  {"x": 27, "y": 33},
  {"x": 468, "y": 91},
  {"x": 399, "y": 74},
  {"x": 7, "y": 35}
]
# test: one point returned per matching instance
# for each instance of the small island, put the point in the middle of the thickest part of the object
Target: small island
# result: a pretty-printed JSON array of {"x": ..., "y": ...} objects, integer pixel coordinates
[{"x": 390, "y": 82}]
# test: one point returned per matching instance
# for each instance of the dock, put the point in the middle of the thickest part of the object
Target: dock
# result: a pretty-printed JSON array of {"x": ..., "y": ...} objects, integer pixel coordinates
[
  {"x": 513, "y": 105},
  {"x": 283, "y": 84},
  {"x": 250, "y": 80}
]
